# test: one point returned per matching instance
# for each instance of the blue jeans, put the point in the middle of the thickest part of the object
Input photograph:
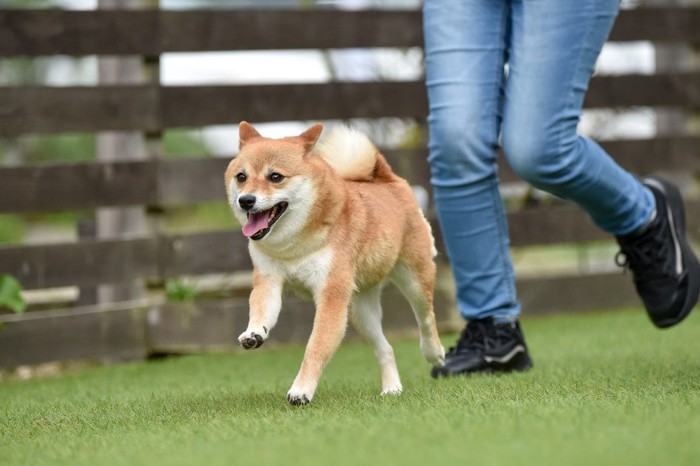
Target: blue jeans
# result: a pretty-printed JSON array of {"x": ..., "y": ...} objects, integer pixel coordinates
[{"x": 550, "y": 47}]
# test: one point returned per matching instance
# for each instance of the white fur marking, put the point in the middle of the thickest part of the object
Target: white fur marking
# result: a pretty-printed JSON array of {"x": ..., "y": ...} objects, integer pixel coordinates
[
  {"x": 310, "y": 271},
  {"x": 350, "y": 152}
]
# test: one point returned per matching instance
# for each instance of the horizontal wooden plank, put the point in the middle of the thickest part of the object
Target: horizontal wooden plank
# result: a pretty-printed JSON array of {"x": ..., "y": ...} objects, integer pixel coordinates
[
  {"x": 663, "y": 153},
  {"x": 128, "y": 331},
  {"x": 81, "y": 186},
  {"x": 47, "y": 109},
  {"x": 61, "y": 32},
  {"x": 165, "y": 182},
  {"x": 77, "y": 186},
  {"x": 150, "y": 32},
  {"x": 569, "y": 224},
  {"x": 194, "y": 106},
  {"x": 550, "y": 295},
  {"x": 113, "y": 334},
  {"x": 204, "y": 325},
  {"x": 153, "y": 108},
  {"x": 190, "y": 181},
  {"x": 94, "y": 262},
  {"x": 201, "y": 253},
  {"x": 644, "y": 90},
  {"x": 85, "y": 263},
  {"x": 113, "y": 261},
  {"x": 657, "y": 24},
  {"x": 288, "y": 29}
]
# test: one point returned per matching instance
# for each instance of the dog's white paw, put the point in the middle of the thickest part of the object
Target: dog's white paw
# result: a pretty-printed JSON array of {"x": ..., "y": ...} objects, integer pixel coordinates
[
  {"x": 252, "y": 338},
  {"x": 434, "y": 354},
  {"x": 299, "y": 397},
  {"x": 393, "y": 390}
]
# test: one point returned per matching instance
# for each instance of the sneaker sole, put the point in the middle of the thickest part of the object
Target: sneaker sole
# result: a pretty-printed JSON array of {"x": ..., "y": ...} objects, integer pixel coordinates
[
  {"x": 519, "y": 363},
  {"x": 674, "y": 204}
]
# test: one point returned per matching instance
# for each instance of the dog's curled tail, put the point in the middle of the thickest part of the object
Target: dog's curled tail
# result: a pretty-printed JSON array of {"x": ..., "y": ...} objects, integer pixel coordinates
[{"x": 352, "y": 155}]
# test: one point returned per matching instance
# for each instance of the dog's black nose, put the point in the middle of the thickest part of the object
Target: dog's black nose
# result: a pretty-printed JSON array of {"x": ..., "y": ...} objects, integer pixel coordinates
[{"x": 246, "y": 201}]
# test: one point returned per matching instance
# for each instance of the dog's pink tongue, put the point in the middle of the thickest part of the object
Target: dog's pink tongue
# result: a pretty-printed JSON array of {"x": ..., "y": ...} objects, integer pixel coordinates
[{"x": 256, "y": 222}]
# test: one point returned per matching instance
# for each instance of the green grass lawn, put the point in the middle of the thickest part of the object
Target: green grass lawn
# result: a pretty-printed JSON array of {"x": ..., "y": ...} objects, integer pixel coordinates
[{"x": 607, "y": 388}]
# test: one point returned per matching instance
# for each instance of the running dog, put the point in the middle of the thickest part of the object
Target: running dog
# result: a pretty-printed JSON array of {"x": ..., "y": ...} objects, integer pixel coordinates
[{"x": 330, "y": 218}]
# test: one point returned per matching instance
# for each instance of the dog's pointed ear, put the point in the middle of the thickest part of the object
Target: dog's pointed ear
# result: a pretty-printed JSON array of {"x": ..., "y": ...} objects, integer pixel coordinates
[
  {"x": 246, "y": 133},
  {"x": 311, "y": 135}
]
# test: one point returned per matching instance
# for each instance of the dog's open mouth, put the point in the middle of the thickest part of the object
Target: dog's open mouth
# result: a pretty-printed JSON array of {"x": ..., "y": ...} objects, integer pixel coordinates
[{"x": 260, "y": 223}]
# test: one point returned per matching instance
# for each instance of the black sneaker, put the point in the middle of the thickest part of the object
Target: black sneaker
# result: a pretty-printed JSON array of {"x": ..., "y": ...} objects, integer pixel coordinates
[
  {"x": 666, "y": 272},
  {"x": 485, "y": 346}
]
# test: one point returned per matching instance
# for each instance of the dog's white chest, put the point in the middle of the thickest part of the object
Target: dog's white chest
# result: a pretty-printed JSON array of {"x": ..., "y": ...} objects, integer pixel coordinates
[{"x": 310, "y": 272}]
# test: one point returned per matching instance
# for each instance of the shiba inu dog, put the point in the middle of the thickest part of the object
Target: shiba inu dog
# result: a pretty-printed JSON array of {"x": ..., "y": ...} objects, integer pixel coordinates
[{"x": 331, "y": 219}]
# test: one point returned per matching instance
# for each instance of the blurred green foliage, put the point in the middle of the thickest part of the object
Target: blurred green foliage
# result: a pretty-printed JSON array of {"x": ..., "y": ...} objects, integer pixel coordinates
[
  {"x": 178, "y": 289},
  {"x": 11, "y": 294},
  {"x": 80, "y": 148}
]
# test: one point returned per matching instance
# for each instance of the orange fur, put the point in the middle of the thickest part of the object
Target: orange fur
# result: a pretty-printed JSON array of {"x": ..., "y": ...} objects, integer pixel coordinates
[{"x": 345, "y": 230}]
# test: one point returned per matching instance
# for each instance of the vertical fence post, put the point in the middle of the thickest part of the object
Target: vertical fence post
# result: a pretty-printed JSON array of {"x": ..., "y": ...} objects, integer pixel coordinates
[
  {"x": 670, "y": 57},
  {"x": 674, "y": 121},
  {"x": 87, "y": 229},
  {"x": 120, "y": 145},
  {"x": 153, "y": 139}
]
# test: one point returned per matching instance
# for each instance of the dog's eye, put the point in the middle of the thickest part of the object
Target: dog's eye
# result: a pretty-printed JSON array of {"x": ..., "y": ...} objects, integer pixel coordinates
[
  {"x": 275, "y": 177},
  {"x": 241, "y": 177}
]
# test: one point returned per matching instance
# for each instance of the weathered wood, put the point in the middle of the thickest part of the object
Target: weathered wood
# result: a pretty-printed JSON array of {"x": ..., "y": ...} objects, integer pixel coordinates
[
  {"x": 660, "y": 24},
  {"x": 163, "y": 183},
  {"x": 49, "y": 109},
  {"x": 214, "y": 324},
  {"x": 569, "y": 224},
  {"x": 646, "y": 156},
  {"x": 136, "y": 330},
  {"x": 107, "y": 334},
  {"x": 189, "y": 181},
  {"x": 601, "y": 291},
  {"x": 188, "y": 106},
  {"x": 204, "y": 325},
  {"x": 560, "y": 224},
  {"x": 111, "y": 146},
  {"x": 411, "y": 164},
  {"x": 86, "y": 263},
  {"x": 644, "y": 90},
  {"x": 119, "y": 260},
  {"x": 200, "y": 253},
  {"x": 58, "y": 32},
  {"x": 152, "y": 108},
  {"x": 77, "y": 186},
  {"x": 166, "y": 256},
  {"x": 288, "y": 29}
]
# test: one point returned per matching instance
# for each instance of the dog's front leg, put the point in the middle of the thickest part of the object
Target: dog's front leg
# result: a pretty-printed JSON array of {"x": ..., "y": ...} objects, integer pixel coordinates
[
  {"x": 330, "y": 322},
  {"x": 265, "y": 305}
]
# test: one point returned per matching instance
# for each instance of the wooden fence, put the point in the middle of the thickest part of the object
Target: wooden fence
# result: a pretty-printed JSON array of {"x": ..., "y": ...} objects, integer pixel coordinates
[{"x": 135, "y": 330}]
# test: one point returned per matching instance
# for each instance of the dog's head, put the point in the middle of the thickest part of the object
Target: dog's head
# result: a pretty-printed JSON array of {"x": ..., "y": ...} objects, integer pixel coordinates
[{"x": 269, "y": 183}]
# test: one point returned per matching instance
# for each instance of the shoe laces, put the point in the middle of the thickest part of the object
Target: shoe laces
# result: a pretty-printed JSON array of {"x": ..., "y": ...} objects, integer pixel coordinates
[
  {"x": 649, "y": 256},
  {"x": 482, "y": 335}
]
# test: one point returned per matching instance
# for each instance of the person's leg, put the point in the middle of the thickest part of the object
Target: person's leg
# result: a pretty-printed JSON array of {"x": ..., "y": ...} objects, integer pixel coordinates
[
  {"x": 555, "y": 44},
  {"x": 465, "y": 51},
  {"x": 466, "y": 47}
]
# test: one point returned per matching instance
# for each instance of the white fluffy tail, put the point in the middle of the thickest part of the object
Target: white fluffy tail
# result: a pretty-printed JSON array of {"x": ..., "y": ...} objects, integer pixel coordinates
[{"x": 349, "y": 152}]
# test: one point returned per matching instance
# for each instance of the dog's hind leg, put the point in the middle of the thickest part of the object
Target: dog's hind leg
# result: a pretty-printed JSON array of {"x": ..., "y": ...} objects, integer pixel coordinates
[
  {"x": 417, "y": 285},
  {"x": 366, "y": 318}
]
